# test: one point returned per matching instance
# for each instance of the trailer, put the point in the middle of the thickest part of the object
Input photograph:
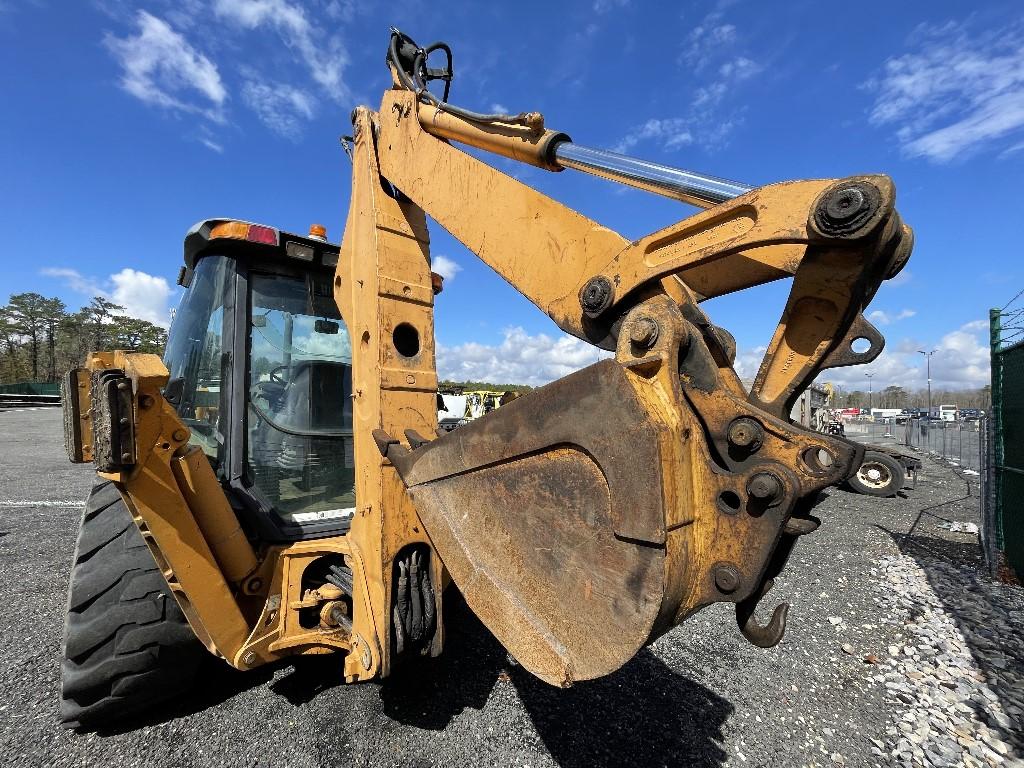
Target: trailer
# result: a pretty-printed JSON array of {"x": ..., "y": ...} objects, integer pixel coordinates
[{"x": 884, "y": 471}]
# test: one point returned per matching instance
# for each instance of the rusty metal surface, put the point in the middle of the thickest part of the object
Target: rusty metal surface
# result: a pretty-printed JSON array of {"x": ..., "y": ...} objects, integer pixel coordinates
[
  {"x": 588, "y": 517},
  {"x": 113, "y": 420},
  {"x": 670, "y": 452},
  {"x": 74, "y": 394},
  {"x": 545, "y": 514}
]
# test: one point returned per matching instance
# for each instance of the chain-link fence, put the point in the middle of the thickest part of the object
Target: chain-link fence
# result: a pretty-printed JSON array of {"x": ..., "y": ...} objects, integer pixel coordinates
[
  {"x": 1007, "y": 470},
  {"x": 958, "y": 442},
  {"x": 1004, "y": 497}
]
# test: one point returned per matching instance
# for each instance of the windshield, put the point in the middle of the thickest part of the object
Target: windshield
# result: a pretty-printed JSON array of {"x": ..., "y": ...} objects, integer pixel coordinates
[
  {"x": 194, "y": 355},
  {"x": 300, "y": 407}
]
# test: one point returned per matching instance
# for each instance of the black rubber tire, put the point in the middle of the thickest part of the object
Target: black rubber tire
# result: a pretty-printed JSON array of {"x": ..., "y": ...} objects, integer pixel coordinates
[
  {"x": 888, "y": 484},
  {"x": 127, "y": 645}
]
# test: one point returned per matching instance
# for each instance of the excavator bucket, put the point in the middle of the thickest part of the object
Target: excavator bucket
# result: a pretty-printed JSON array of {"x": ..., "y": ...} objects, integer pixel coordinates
[
  {"x": 543, "y": 514},
  {"x": 568, "y": 520}
]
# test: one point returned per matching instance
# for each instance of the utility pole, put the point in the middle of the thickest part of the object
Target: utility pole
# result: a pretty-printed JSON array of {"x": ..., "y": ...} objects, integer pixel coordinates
[
  {"x": 928, "y": 358},
  {"x": 870, "y": 403}
]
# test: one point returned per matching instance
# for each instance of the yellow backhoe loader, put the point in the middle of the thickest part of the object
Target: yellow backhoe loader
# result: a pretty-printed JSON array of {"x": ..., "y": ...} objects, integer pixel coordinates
[{"x": 275, "y": 485}]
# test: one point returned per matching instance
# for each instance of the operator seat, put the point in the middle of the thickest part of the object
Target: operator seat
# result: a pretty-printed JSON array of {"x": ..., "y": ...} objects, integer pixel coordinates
[
  {"x": 316, "y": 402},
  {"x": 317, "y": 397}
]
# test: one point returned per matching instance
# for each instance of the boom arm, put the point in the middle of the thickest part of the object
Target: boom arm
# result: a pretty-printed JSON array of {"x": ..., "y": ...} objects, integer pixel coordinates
[
  {"x": 586, "y": 518},
  {"x": 842, "y": 237}
]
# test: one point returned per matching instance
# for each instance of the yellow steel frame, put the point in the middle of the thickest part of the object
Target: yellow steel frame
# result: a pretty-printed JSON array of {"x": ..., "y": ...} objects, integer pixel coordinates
[{"x": 403, "y": 166}]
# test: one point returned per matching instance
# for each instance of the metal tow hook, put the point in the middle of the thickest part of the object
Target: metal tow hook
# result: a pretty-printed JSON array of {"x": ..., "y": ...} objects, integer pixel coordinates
[{"x": 762, "y": 637}]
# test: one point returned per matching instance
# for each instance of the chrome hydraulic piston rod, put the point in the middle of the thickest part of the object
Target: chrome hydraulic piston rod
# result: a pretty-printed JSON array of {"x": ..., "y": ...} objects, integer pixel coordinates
[
  {"x": 687, "y": 186},
  {"x": 553, "y": 151}
]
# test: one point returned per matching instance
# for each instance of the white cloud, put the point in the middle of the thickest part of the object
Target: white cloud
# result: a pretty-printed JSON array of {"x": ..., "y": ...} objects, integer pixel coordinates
[
  {"x": 519, "y": 359},
  {"x": 282, "y": 107},
  {"x": 142, "y": 295},
  {"x": 671, "y": 133},
  {"x": 343, "y": 10},
  {"x": 706, "y": 40},
  {"x": 748, "y": 361},
  {"x": 1012, "y": 150},
  {"x": 955, "y": 93},
  {"x": 604, "y": 6},
  {"x": 963, "y": 356},
  {"x": 961, "y": 362},
  {"x": 740, "y": 68},
  {"x": 211, "y": 144},
  {"x": 499, "y": 109},
  {"x": 882, "y": 317},
  {"x": 325, "y": 58},
  {"x": 160, "y": 67},
  {"x": 710, "y": 46},
  {"x": 74, "y": 280},
  {"x": 445, "y": 267}
]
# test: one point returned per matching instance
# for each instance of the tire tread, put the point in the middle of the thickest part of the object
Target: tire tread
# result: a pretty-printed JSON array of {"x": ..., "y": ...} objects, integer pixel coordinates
[{"x": 127, "y": 645}]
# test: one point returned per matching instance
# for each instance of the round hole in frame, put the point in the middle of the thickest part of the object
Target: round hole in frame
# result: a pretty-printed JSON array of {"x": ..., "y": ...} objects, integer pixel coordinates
[
  {"x": 406, "y": 340},
  {"x": 860, "y": 346},
  {"x": 818, "y": 460},
  {"x": 729, "y": 502}
]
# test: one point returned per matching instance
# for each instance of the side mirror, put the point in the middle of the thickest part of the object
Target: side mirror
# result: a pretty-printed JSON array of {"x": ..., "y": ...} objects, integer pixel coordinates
[{"x": 326, "y": 326}]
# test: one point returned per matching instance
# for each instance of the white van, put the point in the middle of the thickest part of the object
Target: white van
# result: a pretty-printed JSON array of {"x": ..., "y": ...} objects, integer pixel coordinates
[{"x": 948, "y": 412}]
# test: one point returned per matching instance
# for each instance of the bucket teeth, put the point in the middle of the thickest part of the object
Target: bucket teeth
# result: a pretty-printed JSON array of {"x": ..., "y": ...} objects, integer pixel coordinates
[
  {"x": 415, "y": 439},
  {"x": 387, "y": 445}
]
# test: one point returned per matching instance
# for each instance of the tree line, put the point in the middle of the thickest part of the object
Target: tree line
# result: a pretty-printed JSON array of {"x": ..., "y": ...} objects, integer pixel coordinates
[
  {"x": 40, "y": 339},
  {"x": 898, "y": 397}
]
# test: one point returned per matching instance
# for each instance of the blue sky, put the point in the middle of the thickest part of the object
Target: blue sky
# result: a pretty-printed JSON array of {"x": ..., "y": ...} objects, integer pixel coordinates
[{"x": 126, "y": 122}]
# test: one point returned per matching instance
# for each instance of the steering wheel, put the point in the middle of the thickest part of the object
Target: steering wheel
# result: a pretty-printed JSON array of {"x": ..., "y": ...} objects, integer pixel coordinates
[{"x": 276, "y": 377}]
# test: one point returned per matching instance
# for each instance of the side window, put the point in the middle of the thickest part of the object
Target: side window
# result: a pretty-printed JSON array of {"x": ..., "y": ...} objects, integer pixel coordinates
[
  {"x": 194, "y": 355},
  {"x": 300, "y": 455}
]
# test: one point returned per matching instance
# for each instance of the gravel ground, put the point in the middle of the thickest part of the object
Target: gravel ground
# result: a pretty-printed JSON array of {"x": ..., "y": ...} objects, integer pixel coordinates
[{"x": 829, "y": 694}]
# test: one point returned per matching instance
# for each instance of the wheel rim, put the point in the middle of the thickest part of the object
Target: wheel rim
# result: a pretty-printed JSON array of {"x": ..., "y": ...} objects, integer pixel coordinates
[{"x": 874, "y": 474}]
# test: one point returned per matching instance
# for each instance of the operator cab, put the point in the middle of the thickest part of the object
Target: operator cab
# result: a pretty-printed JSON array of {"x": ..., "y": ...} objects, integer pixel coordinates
[{"x": 260, "y": 365}]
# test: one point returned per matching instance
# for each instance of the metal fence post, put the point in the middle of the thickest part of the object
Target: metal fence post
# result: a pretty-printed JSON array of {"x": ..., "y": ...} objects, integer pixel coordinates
[{"x": 985, "y": 468}]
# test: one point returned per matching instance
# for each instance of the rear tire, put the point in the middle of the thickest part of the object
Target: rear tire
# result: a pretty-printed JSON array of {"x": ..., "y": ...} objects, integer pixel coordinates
[
  {"x": 127, "y": 645},
  {"x": 878, "y": 475}
]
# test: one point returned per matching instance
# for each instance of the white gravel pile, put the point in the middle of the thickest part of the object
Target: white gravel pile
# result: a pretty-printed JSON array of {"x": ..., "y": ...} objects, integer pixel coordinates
[{"x": 956, "y": 680}]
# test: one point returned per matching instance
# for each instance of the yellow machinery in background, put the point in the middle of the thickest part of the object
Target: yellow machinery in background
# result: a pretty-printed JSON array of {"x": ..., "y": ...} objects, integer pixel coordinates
[{"x": 278, "y": 473}]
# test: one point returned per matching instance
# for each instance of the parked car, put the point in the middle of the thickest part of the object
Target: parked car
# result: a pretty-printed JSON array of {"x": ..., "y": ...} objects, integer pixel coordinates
[{"x": 971, "y": 414}]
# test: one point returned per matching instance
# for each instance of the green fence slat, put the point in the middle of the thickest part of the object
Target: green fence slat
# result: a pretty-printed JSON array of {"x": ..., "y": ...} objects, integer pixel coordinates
[
  {"x": 1007, "y": 455},
  {"x": 30, "y": 388}
]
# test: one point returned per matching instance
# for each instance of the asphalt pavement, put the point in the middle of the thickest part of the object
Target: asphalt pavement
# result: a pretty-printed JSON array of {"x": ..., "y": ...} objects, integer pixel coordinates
[{"x": 701, "y": 695}]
